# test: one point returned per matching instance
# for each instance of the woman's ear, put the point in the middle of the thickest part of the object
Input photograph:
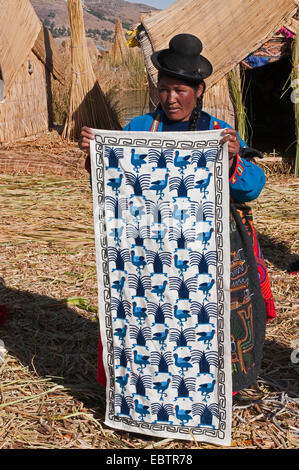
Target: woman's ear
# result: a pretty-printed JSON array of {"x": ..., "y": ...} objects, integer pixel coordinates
[{"x": 200, "y": 90}]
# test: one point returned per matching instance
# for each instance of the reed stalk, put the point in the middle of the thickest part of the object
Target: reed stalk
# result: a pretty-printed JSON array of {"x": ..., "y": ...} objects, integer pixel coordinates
[{"x": 236, "y": 84}]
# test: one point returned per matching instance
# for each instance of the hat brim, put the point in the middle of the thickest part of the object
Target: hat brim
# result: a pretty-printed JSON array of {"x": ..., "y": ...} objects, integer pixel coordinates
[{"x": 205, "y": 70}]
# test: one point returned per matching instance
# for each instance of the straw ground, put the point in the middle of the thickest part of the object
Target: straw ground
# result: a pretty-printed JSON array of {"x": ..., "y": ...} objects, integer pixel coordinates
[{"x": 49, "y": 397}]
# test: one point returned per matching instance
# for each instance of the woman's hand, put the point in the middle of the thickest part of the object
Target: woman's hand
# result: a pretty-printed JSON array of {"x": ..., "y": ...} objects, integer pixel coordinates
[
  {"x": 231, "y": 136},
  {"x": 84, "y": 139}
]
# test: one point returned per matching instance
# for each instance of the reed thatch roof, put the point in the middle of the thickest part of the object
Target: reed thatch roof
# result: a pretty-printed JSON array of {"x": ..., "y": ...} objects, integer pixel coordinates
[
  {"x": 229, "y": 30},
  {"x": 20, "y": 33}
]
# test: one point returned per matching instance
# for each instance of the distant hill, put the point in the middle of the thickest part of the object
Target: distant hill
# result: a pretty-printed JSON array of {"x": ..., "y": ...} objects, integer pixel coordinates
[{"x": 99, "y": 16}]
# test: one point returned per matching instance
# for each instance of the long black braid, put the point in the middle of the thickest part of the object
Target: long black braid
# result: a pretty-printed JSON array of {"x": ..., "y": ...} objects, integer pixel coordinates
[{"x": 195, "y": 116}]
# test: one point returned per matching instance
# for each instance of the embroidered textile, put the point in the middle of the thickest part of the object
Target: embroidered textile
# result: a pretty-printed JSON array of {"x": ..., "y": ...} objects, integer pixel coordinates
[{"x": 161, "y": 218}]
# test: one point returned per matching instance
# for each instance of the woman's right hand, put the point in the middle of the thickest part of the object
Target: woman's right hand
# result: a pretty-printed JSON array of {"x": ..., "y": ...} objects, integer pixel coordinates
[{"x": 84, "y": 139}]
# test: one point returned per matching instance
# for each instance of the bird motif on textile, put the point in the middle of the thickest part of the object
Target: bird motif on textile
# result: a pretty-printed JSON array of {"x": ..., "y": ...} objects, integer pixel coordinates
[
  {"x": 181, "y": 161},
  {"x": 206, "y": 337},
  {"x": 139, "y": 312},
  {"x": 118, "y": 285},
  {"x": 115, "y": 184},
  {"x": 135, "y": 211},
  {"x": 137, "y": 159},
  {"x": 205, "y": 287},
  {"x": 142, "y": 410},
  {"x": 183, "y": 415},
  {"x": 180, "y": 214},
  {"x": 159, "y": 186},
  {"x": 141, "y": 360},
  {"x": 181, "y": 264},
  {"x": 159, "y": 289},
  {"x": 120, "y": 333},
  {"x": 161, "y": 337},
  {"x": 181, "y": 315},
  {"x": 161, "y": 388},
  {"x": 138, "y": 261},
  {"x": 203, "y": 185},
  {"x": 182, "y": 363},
  {"x": 206, "y": 389},
  {"x": 205, "y": 238},
  {"x": 122, "y": 380}
]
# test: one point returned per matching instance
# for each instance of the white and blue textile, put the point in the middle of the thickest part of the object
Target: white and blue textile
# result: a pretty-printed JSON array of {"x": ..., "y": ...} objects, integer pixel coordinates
[{"x": 161, "y": 218}]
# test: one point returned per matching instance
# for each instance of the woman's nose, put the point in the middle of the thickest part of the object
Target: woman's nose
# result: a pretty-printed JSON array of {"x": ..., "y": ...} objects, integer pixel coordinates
[{"x": 171, "y": 97}]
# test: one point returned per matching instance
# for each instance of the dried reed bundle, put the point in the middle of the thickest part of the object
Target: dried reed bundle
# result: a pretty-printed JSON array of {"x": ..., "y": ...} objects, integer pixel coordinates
[
  {"x": 236, "y": 84},
  {"x": 119, "y": 49},
  {"x": 88, "y": 105},
  {"x": 295, "y": 81}
]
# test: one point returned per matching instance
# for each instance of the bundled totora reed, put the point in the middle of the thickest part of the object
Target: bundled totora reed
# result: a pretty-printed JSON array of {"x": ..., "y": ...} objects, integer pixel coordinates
[{"x": 88, "y": 105}]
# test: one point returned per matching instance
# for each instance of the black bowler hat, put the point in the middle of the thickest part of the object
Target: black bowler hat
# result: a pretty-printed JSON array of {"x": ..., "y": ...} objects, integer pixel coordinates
[{"x": 183, "y": 59}]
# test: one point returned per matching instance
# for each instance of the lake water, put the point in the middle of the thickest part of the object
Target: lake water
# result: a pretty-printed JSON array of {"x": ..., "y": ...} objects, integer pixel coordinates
[{"x": 132, "y": 103}]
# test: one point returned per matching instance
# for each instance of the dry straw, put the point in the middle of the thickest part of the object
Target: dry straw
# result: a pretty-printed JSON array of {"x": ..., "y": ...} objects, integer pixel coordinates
[{"x": 88, "y": 105}]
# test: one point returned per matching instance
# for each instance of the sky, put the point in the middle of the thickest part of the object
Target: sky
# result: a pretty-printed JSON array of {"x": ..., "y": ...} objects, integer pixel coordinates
[{"x": 161, "y": 4}]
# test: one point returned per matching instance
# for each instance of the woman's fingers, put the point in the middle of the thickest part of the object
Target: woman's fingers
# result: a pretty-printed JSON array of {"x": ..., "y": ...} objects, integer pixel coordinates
[
  {"x": 85, "y": 137},
  {"x": 231, "y": 136}
]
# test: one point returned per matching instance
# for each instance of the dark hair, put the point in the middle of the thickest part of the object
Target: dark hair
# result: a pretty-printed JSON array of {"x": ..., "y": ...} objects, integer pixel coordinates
[{"x": 195, "y": 116}]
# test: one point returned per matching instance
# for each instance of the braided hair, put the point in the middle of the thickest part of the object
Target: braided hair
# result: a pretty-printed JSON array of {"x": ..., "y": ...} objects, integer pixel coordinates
[{"x": 195, "y": 116}]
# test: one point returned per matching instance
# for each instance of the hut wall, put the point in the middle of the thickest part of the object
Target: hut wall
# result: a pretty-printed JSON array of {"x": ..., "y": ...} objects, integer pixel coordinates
[
  {"x": 24, "y": 111},
  {"x": 217, "y": 101}
]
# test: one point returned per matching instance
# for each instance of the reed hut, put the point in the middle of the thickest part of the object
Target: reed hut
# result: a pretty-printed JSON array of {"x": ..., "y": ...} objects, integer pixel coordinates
[
  {"x": 234, "y": 34},
  {"x": 28, "y": 59},
  {"x": 119, "y": 49}
]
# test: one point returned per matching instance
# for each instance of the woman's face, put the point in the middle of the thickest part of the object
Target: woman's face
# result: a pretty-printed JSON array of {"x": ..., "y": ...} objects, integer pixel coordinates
[{"x": 177, "y": 98}]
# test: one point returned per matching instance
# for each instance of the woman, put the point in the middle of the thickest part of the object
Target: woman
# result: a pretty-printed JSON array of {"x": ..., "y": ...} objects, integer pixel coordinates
[{"x": 181, "y": 73}]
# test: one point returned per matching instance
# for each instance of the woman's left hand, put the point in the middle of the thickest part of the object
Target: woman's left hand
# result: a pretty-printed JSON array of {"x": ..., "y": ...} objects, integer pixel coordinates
[{"x": 231, "y": 136}]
